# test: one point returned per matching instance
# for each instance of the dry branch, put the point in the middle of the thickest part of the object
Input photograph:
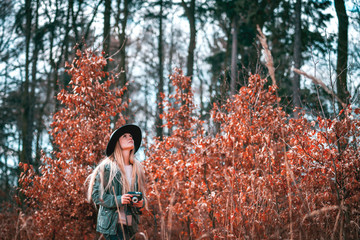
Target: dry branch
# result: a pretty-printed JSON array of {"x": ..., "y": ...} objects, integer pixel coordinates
[
  {"x": 268, "y": 56},
  {"x": 321, "y": 83},
  {"x": 317, "y": 212}
]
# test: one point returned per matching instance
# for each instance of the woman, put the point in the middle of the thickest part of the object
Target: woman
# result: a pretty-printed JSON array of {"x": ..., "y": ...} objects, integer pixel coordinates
[{"x": 112, "y": 180}]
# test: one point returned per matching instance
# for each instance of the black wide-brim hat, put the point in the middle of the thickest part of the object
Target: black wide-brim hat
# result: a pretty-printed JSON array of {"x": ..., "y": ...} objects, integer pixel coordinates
[{"x": 135, "y": 132}]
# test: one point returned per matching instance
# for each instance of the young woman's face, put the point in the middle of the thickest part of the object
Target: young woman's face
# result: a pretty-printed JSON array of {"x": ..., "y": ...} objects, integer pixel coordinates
[{"x": 126, "y": 142}]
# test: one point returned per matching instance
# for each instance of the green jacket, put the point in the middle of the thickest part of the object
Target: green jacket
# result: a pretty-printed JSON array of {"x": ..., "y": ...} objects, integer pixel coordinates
[{"x": 108, "y": 215}]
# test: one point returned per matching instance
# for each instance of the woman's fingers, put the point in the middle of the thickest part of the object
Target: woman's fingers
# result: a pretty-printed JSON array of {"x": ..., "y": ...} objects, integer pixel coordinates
[
  {"x": 139, "y": 204},
  {"x": 126, "y": 199}
]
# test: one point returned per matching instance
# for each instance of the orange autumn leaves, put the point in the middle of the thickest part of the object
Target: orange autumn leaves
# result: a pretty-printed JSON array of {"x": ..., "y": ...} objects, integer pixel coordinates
[
  {"x": 263, "y": 175},
  {"x": 80, "y": 130},
  {"x": 251, "y": 171}
]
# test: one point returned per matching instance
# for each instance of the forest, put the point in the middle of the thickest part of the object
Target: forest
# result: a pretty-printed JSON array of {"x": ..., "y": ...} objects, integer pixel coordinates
[{"x": 249, "y": 108}]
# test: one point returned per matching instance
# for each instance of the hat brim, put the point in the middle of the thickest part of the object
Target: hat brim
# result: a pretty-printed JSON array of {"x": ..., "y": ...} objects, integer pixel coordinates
[{"x": 135, "y": 132}]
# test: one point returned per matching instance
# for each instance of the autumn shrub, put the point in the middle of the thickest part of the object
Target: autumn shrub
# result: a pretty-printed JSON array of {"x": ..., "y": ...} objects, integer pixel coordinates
[
  {"x": 80, "y": 130},
  {"x": 325, "y": 164},
  {"x": 171, "y": 169},
  {"x": 13, "y": 221},
  {"x": 263, "y": 176}
]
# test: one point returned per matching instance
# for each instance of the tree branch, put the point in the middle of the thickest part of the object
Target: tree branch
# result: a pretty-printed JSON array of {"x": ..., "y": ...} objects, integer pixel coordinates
[{"x": 321, "y": 83}]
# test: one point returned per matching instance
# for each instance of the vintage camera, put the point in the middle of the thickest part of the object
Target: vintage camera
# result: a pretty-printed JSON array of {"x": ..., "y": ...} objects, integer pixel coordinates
[{"x": 136, "y": 197}]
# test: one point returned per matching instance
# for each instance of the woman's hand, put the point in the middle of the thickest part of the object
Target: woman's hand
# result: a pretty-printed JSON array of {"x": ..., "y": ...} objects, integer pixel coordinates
[
  {"x": 126, "y": 199},
  {"x": 139, "y": 204}
]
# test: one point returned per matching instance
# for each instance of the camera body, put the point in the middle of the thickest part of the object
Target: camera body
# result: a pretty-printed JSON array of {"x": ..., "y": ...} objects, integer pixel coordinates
[{"x": 136, "y": 197}]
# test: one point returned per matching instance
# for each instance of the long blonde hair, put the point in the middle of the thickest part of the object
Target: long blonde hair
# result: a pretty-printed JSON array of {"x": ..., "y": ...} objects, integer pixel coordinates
[{"x": 116, "y": 163}]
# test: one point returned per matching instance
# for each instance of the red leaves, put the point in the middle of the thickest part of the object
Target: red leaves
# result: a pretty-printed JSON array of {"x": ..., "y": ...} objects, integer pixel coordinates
[
  {"x": 262, "y": 172},
  {"x": 80, "y": 131}
]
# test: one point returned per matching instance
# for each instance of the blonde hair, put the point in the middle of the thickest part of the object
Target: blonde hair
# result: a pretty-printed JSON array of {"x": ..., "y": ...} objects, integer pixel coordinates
[{"x": 116, "y": 163}]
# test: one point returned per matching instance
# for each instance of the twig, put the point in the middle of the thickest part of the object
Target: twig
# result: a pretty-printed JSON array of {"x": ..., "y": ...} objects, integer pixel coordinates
[
  {"x": 317, "y": 212},
  {"x": 118, "y": 211},
  {"x": 288, "y": 173},
  {"x": 321, "y": 83},
  {"x": 336, "y": 224},
  {"x": 268, "y": 56},
  {"x": 122, "y": 46},
  {"x": 141, "y": 234},
  {"x": 17, "y": 226},
  {"x": 172, "y": 199},
  {"x": 162, "y": 230}
]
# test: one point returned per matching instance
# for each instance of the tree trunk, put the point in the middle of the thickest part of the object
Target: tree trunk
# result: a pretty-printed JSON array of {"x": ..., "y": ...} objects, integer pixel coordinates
[
  {"x": 190, "y": 14},
  {"x": 297, "y": 57},
  {"x": 106, "y": 36},
  {"x": 26, "y": 132},
  {"x": 122, "y": 47},
  {"x": 107, "y": 39},
  {"x": 342, "y": 52},
  {"x": 67, "y": 30},
  {"x": 55, "y": 65},
  {"x": 73, "y": 20},
  {"x": 202, "y": 105},
  {"x": 159, "y": 107},
  {"x": 36, "y": 162},
  {"x": 234, "y": 55},
  {"x": 172, "y": 52},
  {"x": 146, "y": 105}
]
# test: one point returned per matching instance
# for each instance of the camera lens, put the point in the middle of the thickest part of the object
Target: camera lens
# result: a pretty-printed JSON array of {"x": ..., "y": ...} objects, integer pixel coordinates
[{"x": 135, "y": 199}]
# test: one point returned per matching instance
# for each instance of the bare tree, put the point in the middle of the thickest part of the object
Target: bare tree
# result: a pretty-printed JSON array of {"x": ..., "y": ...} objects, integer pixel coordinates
[
  {"x": 234, "y": 55},
  {"x": 160, "y": 90},
  {"x": 342, "y": 52},
  {"x": 190, "y": 14},
  {"x": 106, "y": 36},
  {"x": 297, "y": 56},
  {"x": 26, "y": 123}
]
